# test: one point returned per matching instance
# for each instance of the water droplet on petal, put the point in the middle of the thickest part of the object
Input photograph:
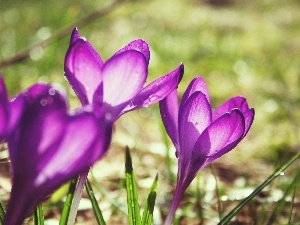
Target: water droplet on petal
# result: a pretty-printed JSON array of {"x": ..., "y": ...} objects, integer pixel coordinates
[
  {"x": 52, "y": 91},
  {"x": 43, "y": 102},
  {"x": 153, "y": 98},
  {"x": 108, "y": 116}
]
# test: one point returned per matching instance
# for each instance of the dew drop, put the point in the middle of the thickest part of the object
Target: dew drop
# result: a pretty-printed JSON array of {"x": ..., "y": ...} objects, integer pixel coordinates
[
  {"x": 153, "y": 98},
  {"x": 108, "y": 116},
  {"x": 51, "y": 91},
  {"x": 43, "y": 102}
]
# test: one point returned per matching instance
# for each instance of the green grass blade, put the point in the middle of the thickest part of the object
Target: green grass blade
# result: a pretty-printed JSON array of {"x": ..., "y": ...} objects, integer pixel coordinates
[
  {"x": 97, "y": 211},
  {"x": 2, "y": 213},
  {"x": 38, "y": 215},
  {"x": 199, "y": 206},
  {"x": 149, "y": 207},
  {"x": 102, "y": 190},
  {"x": 283, "y": 200},
  {"x": 217, "y": 191},
  {"x": 230, "y": 215},
  {"x": 134, "y": 216},
  {"x": 67, "y": 205},
  {"x": 292, "y": 206},
  {"x": 165, "y": 137}
]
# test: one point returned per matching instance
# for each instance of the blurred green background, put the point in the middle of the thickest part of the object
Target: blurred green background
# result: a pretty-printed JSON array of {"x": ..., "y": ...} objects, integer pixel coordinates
[{"x": 247, "y": 47}]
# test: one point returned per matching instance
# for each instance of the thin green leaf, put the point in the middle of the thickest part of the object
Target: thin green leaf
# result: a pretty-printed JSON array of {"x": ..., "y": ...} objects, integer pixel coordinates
[
  {"x": 217, "y": 191},
  {"x": 67, "y": 205},
  {"x": 2, "y": 213},
  {"x": 230, "y": 215},
  {"x": 97, "y": 211},
  {"x": 282, "y": 201},
  {"x": 38, "y": 215},
  {"x": 169, "y": 173},
  {"x": 102, "y": 190},
  {"x": 149, "y": 207},
  {"x": 292, "y": 206},
  {"x": 134, "y": 216},
  {"x": 199, "y": 207}
]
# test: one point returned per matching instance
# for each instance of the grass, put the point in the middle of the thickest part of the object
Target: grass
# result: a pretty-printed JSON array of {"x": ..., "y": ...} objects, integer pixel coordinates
[{"x": 248, "y": 48}]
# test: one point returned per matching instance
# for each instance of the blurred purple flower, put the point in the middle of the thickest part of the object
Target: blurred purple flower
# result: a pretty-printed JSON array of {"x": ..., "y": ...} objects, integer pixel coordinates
[
  {"x": 201, "y": 136},
  {"x": 48, "y": 148},
  {"x": 116, "y": 85},
  {"x": 10, "y": 112}
]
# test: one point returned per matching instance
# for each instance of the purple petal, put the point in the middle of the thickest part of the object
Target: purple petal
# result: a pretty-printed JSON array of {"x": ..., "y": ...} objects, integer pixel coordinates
[
  {"x": 123, "y": 77},
  {"x": 4, "y": 110},
  {"x": 197, "y": 84},
  {"x": 236, "y": 103},
  {"x": 157, "y": 90},
  {"x": 138, "y": 45},
  {"x": 220, "y": 137},
  {"x": 16, "y": 111},
  {"x": 233, "y": 103},
  {"x": 83, "y": 70},
  {"x": 194, "y": 117},
  {"x": 249, "y": 117},
  {"x": 47, "y": 149},
  {"x": 74, "y": 36},
  {"x": 169, "y": 114}
]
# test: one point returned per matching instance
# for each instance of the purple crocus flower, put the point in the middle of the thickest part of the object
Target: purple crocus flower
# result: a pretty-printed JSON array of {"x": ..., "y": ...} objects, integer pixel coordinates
[
  {"x": 48, "y": 148},
  {"x": 10, "y": 112},
  {"x": 201, "y": 136},
  {"x": 116, "y": 86}
]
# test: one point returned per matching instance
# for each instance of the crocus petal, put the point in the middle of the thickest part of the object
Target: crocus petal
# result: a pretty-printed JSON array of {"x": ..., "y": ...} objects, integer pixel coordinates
[
  {"x": 138, "y": 45},
  {"x": 194, "y": 116},
  {"x": 83, "y": 70},
  {"x": 47, "y": 149},
  {"x": 74, "y": 36},
  {"x": 237, "y": 102},
  {"x": 16, "y": 110},
  {"x": 169, "y": 114},
  {"x": 123, "y": 77},
  {"x": 157, "y": 90},
  {"x": 10, "y": 112},
  {"x": 249, "y": 117},
  {"x": 197, "y": 84},
  {"x": 4, "y": 110},
  {"x": 221, "y": 136}
]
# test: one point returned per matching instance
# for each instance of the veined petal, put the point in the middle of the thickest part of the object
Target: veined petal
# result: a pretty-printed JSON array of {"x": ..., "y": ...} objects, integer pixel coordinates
[
  {"x": 194, "y": 117},
  {"x": 83, "y": 70},
  {"x": 249, "y": 117},
  {"x": 197, "y": 84},
  {"x": 237, "y": 102},
  {"x": 123, "y": 77},
  {"x": 220, "y": 137},
  {"x": 138, "y": 45},
  {"x": 157, "y": 90},
  {"x": 169, "y": 114}
]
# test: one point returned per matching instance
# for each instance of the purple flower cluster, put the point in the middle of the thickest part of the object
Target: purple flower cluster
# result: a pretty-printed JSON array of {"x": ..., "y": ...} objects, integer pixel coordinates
[{"x": 49, "y": 146}]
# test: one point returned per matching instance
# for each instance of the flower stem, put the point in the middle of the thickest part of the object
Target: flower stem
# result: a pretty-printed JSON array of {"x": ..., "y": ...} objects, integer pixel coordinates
[
  {"x": 175, "y": 203},
  {"x": 77, "y": 197}
]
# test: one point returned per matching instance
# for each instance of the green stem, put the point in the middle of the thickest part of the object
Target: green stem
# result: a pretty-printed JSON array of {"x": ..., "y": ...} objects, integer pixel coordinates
[
  {"x": 98, "y": 213},
  {"x": 67, "y": 205},
  {"x": 77, "y": 196}
]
